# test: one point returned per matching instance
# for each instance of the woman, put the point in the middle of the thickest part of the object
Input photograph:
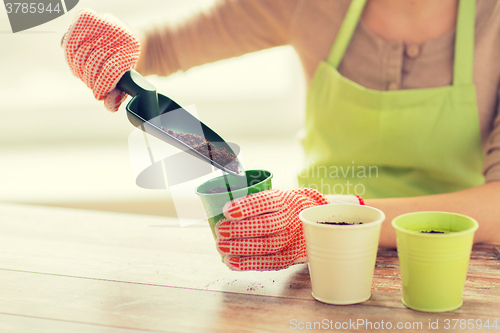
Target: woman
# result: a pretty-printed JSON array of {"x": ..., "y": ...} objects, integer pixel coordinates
[{"x": 392, "y": 86}]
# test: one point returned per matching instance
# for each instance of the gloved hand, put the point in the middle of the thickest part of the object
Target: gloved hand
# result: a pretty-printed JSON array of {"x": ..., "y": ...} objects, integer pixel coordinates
[
  {"x": 262, "y": 231},
  {"x": 99, "y": 49}
]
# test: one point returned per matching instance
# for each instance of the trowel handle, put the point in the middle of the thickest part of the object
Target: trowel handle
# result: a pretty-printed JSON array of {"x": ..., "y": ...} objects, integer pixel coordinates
[{"x": 134, "y": 84}]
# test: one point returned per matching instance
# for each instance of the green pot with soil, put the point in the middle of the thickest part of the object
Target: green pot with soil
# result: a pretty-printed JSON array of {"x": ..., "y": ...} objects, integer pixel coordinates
[
  {"x": 215, "y": 193},
  {"x": 434, "y": 250}
]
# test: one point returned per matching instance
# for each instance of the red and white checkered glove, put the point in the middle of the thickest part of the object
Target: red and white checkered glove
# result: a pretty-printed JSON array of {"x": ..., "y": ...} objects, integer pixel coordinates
[
  {"x": 262, "y": 231},
  {"x": 99, "y": 49}
]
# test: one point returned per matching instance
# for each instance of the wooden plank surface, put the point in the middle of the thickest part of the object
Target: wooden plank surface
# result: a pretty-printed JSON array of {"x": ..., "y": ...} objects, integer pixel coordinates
[
  {"x": 116, "y": 271},
  {"x": 17, "y": 323},
  {"x": 162, "y": 308}
]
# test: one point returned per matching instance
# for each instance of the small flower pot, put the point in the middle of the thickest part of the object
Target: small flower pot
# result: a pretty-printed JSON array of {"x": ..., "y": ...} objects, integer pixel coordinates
[
  {"x": 434, "y": 250},
  {"x": 230, "y": 187},
  {"x": 341, "y": 257}
]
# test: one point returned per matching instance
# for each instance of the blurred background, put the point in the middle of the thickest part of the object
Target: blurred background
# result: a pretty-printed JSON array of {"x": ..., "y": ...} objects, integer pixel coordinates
[{"x": 60, "y": 147}]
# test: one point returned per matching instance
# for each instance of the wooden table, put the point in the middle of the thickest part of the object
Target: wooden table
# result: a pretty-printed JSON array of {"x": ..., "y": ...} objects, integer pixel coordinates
[{"x": 64, "y": 270}]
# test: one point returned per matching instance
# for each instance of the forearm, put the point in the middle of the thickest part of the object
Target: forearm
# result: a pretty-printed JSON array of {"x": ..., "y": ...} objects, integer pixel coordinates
[
  {"x": 229, "y": 29},
  {"x": 481, "y": 203}
]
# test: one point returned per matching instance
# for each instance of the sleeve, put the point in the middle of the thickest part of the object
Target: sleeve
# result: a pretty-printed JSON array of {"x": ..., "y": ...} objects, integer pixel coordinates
[
  {"x": 344, "y": 199},
  {"x": 492, "y": 152},
  {"x": 228, "y": 29}
]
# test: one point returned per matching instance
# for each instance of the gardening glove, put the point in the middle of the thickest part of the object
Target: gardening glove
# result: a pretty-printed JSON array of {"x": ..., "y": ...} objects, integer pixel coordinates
[
  {"x": 99, "y": 49},
  {"x": 262, "y": 231}
]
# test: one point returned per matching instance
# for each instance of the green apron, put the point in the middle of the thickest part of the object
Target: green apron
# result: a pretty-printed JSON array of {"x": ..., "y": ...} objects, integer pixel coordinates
[{"x": 381, "y": 144}]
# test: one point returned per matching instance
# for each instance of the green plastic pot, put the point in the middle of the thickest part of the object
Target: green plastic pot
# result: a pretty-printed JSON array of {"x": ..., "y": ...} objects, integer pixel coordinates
[
  {"x": 256, "y": 181},
  {"x": 434, "y": 265}
]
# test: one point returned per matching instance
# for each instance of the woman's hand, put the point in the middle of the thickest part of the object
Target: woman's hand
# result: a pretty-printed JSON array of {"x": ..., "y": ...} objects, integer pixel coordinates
[
  {"x": 99, "y": 49},
  {"x": 263, "y": 231}
]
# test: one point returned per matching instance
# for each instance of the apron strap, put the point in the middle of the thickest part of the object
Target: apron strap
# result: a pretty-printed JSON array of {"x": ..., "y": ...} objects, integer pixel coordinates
[
  {"x": 464, "y": 43},
  {"x": 464, "y": 38},
  {"x": 345, "y": 33}
]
